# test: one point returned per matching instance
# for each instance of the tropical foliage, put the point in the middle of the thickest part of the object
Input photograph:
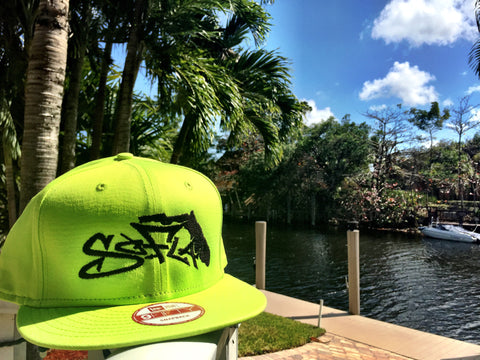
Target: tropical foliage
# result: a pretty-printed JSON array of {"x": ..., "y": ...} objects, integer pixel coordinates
[
  {"x": 224, "y": 105},
  {"x": 338, "y": 171},
  {"x": 199, "y": 56}
]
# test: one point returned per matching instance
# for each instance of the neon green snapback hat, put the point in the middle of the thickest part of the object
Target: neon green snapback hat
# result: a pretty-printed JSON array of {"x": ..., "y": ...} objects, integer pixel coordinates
[{"x": 122, "y": 251}]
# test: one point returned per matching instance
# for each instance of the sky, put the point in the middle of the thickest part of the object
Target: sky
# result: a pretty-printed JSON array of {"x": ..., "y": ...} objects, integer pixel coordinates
[{"x": 347, "y": 57}]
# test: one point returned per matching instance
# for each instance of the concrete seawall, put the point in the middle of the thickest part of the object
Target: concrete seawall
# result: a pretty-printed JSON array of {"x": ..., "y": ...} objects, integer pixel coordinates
[{"x": 396, "y": 339}]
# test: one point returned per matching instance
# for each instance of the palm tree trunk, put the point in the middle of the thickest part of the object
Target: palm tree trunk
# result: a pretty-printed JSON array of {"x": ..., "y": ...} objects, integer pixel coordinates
[
  {"x": 43, "y": 98},
  {"x": 10, "y": 182},
  {"x": 121, "y": 140},
  {"x": 182, "y": 139},
  {"x": 99, "y": 113},
  {"x": 71, "y": 111},
  {"x": 43, "y": 103}
]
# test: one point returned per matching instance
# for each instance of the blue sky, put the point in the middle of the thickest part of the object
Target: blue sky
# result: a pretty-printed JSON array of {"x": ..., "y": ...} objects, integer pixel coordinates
[{"x": 349, "y": 56}]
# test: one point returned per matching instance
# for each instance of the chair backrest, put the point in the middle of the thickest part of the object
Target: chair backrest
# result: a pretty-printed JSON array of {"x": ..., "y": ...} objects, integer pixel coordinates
[
  {"x": 217, "y": 345},
  {"x": 10, "y": 349}
]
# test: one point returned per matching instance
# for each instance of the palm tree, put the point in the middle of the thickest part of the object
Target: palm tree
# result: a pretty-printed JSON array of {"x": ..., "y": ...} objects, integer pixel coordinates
[
  {"x": 269, "y": 106},
  {"x": 211, "y": 78},
  {"x": 114, "y": 31},
  {"x": 99, "y": 113},
  {"x": 154, "y": 24},
  {"x": 151, "y": 137},
  {"x": 43, "y": 101},
  {"x": 133, "y": 60},
  {"x": 81, "y": 19},
  {"x": 179, "y": 41},
  {"x": 43, "y": 98},
  {"x": 96, "y": 25},
  {"x": 477, "y": 13},
  {"x": 11, "y": 152},
  {"x": 15, "y": 36},
  {"x": 474, "y": 56}
]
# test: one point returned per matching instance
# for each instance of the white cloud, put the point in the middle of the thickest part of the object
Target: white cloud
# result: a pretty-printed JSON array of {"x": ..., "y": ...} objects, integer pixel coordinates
[
  {"x": 317, "y": 115},
  {"x": 378, "y": 107},
  {"x": 475, "y": 115},
  {"x": 473, "y": 89},
  {"x": 447, "y": 102},
  {"x": 403, "y": 81},
  {"x": 426, "y": 144},
  {"x": 432, "y": 22}
]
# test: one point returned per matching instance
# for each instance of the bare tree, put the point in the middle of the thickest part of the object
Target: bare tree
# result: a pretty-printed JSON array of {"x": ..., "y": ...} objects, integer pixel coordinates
[
  {"x": 464, "y": 118},
  {"x": 390, "y": 131}
]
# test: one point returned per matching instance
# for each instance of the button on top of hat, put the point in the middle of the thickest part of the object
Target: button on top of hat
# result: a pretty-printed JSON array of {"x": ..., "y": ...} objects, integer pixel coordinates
[{"x": 124, "y": 156}]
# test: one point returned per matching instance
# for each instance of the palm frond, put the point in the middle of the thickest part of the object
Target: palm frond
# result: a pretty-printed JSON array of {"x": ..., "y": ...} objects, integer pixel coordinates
[
  {"x": 474, "y": 58},
  {"x": 477, "y": 13},
  {"x": 9, "y": 134}
]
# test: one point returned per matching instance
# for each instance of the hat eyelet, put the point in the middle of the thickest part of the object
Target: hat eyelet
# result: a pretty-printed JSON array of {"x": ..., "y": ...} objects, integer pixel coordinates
[{"x": 101, "y": 187}]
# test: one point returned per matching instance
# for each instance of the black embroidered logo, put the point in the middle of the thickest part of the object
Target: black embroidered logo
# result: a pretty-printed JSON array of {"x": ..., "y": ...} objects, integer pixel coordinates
[{"x": 137, "y": 251}]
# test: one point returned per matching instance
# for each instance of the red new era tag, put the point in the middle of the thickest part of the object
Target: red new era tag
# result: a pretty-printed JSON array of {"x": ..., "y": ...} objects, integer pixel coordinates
[{"x": 167, "y": 313}]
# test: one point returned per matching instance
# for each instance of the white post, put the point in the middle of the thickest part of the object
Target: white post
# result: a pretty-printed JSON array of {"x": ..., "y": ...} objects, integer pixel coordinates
[
  {"x": 8, "y": 333},
  {"x": 231, "y": 350},
  {"x": 353, "y": 241},
  {"x": 320, "y": 313},
  {"x": 261, "y": 245}
]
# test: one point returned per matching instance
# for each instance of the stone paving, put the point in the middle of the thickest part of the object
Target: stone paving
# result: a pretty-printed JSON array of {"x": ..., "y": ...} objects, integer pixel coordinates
[
  {"x": 331, "y": 347},
  {"x": 359, "y": 337}
]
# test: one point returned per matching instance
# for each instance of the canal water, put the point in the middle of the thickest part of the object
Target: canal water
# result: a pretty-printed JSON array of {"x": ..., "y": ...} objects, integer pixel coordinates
[{"x": 429, "y": 285}]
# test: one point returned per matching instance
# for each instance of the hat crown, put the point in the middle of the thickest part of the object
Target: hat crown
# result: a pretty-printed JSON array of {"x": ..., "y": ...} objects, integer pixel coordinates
[{"x": 117, "y": 231}]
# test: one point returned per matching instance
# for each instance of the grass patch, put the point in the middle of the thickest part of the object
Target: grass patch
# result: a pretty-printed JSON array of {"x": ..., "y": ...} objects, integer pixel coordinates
[{"x": 268, "y": 333}]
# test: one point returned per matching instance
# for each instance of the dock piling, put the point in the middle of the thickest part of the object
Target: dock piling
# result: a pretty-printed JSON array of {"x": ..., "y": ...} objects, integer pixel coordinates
[
  {"x": 353, "y": 242},
  {"x": 261, "y": 245}
]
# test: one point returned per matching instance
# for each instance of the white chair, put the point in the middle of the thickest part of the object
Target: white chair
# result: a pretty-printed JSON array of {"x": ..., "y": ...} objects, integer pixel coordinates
[
  {"x": 217, "y": 345},
  {"x": 8, "y": 333}
]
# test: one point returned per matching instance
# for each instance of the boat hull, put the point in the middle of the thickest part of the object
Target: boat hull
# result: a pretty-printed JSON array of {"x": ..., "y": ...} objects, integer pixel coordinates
[{"x": 451, "y": 233}]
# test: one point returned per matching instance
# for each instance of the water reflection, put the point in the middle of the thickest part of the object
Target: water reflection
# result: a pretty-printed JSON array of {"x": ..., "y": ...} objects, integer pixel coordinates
[{"x": 429, "y": 285}]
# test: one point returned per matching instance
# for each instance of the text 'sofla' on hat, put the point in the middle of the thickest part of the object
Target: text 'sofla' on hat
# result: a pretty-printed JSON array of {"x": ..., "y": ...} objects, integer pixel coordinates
[{"x": 122, "y": 251}]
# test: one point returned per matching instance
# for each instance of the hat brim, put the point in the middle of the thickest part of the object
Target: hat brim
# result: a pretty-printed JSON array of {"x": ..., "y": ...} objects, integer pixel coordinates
[{"x": 228, "y": 302}]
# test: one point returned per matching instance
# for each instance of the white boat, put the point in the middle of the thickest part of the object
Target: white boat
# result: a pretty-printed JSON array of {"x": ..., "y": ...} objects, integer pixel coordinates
[{"x": 450, "y": 232}]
